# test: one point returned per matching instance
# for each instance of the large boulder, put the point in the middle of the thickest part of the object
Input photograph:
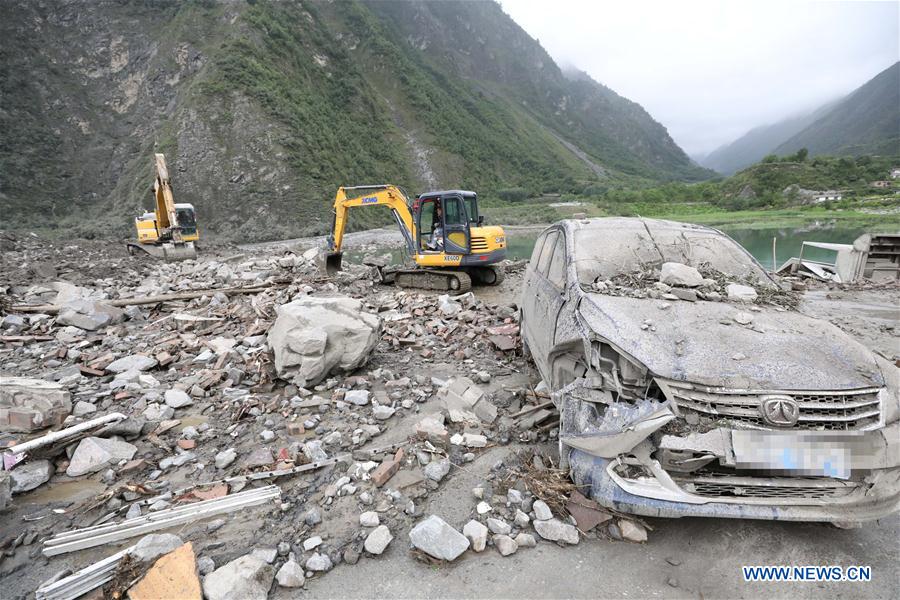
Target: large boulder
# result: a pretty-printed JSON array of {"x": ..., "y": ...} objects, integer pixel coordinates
[
  {"x": 32, "y": 404},
  {"x": 93, "y": 454},
  {"x": 26, "y": 477},
  {"x": 313, "y": 336},
  {"x": 90, "y": 315},
  {"x": 245, "y": 578}
]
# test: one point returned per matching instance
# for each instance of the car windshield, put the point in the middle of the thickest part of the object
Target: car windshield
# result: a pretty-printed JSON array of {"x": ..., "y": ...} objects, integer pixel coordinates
[{"x": 625, "y": 246}]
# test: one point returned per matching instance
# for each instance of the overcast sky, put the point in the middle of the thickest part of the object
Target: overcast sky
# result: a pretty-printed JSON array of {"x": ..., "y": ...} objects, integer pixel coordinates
[{"x": 711, "y": 70}]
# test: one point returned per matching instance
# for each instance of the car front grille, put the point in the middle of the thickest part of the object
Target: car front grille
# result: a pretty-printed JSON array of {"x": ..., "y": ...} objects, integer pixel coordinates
[
  {"x": 479, "y": 244},
  {"x": 818, "y": 411},
  {"x": 718, "y": 485}
]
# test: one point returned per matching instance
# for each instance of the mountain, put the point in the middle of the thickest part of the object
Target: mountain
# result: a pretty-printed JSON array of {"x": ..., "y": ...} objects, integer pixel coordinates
[
  {"x": 264, "y": 108},
  {"x": 751, "y": 147},
  {"x": 865, "y": 122}
]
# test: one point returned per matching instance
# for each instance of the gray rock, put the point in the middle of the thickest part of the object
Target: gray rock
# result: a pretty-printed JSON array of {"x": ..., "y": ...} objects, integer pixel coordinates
[
  {"x": 382, "y": 412},
  {"x": 437, "y": 470},
  {"x": 178, "y": 399},
  {"x": 158, "y": 412},
  {"x": 133, "y": 362},
  {"x": 378, "y": 540},
  {"x": 134, "y": 511},
  {"x": 267, "y": 435},
  {"x": 631, "y": 531},
  {"x": 557, "y": 531},
  {"x": 5, "y": 489},
  {"x": 505, "y": 544},
  {"x": 267, "y": 554},
  {"x": 93, "y": 453},
  {"x": 521, "y": 519},
  {"x": 740, "y": 293},
  {"x": 525, "y": 540},
  {"x": 30, "y": 475},
  {"x": 313, "y": 542},
  {"x": 156, "y": 544},
  {"x": 498, "y": 526},
  {"x": 314, "y": 451},
  {"x": 477, "y": 535},
  {"x": 225, "y": 458},
  {"x": 357, "y": 397},
  {"x": 313, "y": 517},
  {"x": 680, "y": 275},
  {"x": 245, "y": 578},
  {"x": 205, "y": 565},
  {"x": 215, "y": 525},
  {"x": 542, "y": 512},
  {"x": 438, "y": 539},
  {"x": 312, "y": 336},
  {"x": 83, "y": 408},
  {"x": 290, "y": 575},
  {"x": 89, "y": 315},
  {"x": 369, "y": 519},
  {"x": 319, "y": 562}
]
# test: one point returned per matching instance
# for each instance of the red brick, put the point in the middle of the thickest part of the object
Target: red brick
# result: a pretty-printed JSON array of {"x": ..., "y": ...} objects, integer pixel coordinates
[{"x": 385, "y": 471}]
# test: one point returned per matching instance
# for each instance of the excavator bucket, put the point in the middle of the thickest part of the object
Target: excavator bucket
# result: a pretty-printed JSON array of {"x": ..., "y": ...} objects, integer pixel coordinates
[
  {"x": 168, "y": 252},
  {"x": 333, "y": 262}
]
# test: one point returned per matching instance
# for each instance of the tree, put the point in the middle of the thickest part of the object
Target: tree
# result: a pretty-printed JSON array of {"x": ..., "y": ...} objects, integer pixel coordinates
[{"x": 801, "y": 155}]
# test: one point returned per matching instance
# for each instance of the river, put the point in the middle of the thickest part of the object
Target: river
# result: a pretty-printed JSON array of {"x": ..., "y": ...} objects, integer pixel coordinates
[{"x": 757, "y": 241}]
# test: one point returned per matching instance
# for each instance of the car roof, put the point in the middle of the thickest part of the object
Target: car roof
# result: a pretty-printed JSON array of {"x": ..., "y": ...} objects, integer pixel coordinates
[{"x": 601, "y": 223}]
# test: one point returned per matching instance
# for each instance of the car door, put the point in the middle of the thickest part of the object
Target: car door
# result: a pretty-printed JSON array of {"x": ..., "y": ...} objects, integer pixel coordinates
[
  {"x": 547, "y": 290},
  {"x": 527, "y": 300},
  {"x": 456, "y": 226}
]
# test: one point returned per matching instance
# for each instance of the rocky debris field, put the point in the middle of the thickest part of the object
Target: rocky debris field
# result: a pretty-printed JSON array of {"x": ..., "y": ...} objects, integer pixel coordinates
[{"x": 241, "y": 424}]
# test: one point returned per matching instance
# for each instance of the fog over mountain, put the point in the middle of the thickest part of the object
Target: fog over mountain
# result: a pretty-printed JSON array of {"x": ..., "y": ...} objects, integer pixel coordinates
[{"x": 711, "y": 71}]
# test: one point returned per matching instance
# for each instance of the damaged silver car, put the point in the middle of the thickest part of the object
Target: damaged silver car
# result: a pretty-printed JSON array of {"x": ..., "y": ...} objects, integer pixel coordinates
[{"x": 688, "y": 385}]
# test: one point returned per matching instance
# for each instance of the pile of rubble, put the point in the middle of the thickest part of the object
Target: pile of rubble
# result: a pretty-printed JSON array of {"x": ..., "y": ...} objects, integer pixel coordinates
[
  {"x": 679, "y": 282},
  {"x": 238, "y": 394}
]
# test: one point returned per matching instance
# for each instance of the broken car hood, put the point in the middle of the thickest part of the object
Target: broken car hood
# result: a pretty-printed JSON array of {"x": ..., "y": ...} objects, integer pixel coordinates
[{"x": 703, "y": 343}]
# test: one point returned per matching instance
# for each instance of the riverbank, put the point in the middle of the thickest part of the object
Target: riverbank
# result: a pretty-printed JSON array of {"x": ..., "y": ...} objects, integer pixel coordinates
[{"x": 876, "y": 218}]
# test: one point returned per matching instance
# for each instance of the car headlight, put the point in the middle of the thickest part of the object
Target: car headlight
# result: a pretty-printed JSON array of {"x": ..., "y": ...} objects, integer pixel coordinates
[{"x": 890, "y": 395}]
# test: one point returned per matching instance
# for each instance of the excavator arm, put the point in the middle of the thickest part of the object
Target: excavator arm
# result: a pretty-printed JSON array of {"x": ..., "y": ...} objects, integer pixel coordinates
[
  {"x": 374, "y": 195},
  {"x": 166, "y": 219}
]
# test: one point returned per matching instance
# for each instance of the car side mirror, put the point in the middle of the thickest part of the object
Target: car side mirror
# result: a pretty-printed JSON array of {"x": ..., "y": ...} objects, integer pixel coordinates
[{"x": 481, "y": 219}]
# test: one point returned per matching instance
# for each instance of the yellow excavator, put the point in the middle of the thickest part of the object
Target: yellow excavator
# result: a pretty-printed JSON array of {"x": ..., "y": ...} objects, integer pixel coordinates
[
  {"x": 442, "y": 232},
  {"x": 171, "y": 230}
]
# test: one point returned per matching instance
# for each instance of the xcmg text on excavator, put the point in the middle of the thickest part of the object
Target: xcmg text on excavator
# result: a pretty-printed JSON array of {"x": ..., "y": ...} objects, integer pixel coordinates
[
  {"x": 442, "y": 232},
  {"x": 171, "y": 230}
]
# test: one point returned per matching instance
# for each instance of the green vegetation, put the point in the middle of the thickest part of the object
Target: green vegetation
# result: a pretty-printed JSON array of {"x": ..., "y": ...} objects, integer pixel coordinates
[{"x": 753, "y": 198}]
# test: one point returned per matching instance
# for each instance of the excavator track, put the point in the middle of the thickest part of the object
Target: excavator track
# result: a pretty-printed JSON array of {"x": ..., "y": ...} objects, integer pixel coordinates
[
  {"x": 490, "y": 275},
  {"x": 455, "y": 282}
]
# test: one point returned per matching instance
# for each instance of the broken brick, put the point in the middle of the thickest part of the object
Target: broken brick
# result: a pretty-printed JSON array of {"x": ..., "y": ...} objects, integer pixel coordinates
[{"x": 385, "y": 471}]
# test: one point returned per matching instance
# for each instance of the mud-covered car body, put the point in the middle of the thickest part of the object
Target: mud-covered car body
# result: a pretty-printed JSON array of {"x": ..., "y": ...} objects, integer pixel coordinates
[{"x": 672, "y": 407}]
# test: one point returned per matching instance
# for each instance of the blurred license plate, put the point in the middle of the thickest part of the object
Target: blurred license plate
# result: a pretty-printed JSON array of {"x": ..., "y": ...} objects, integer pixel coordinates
[{"x": 792, "y": 453}]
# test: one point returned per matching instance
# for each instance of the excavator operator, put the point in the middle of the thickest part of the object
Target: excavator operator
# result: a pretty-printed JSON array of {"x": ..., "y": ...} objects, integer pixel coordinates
[{"x": 437, "y": 228}]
